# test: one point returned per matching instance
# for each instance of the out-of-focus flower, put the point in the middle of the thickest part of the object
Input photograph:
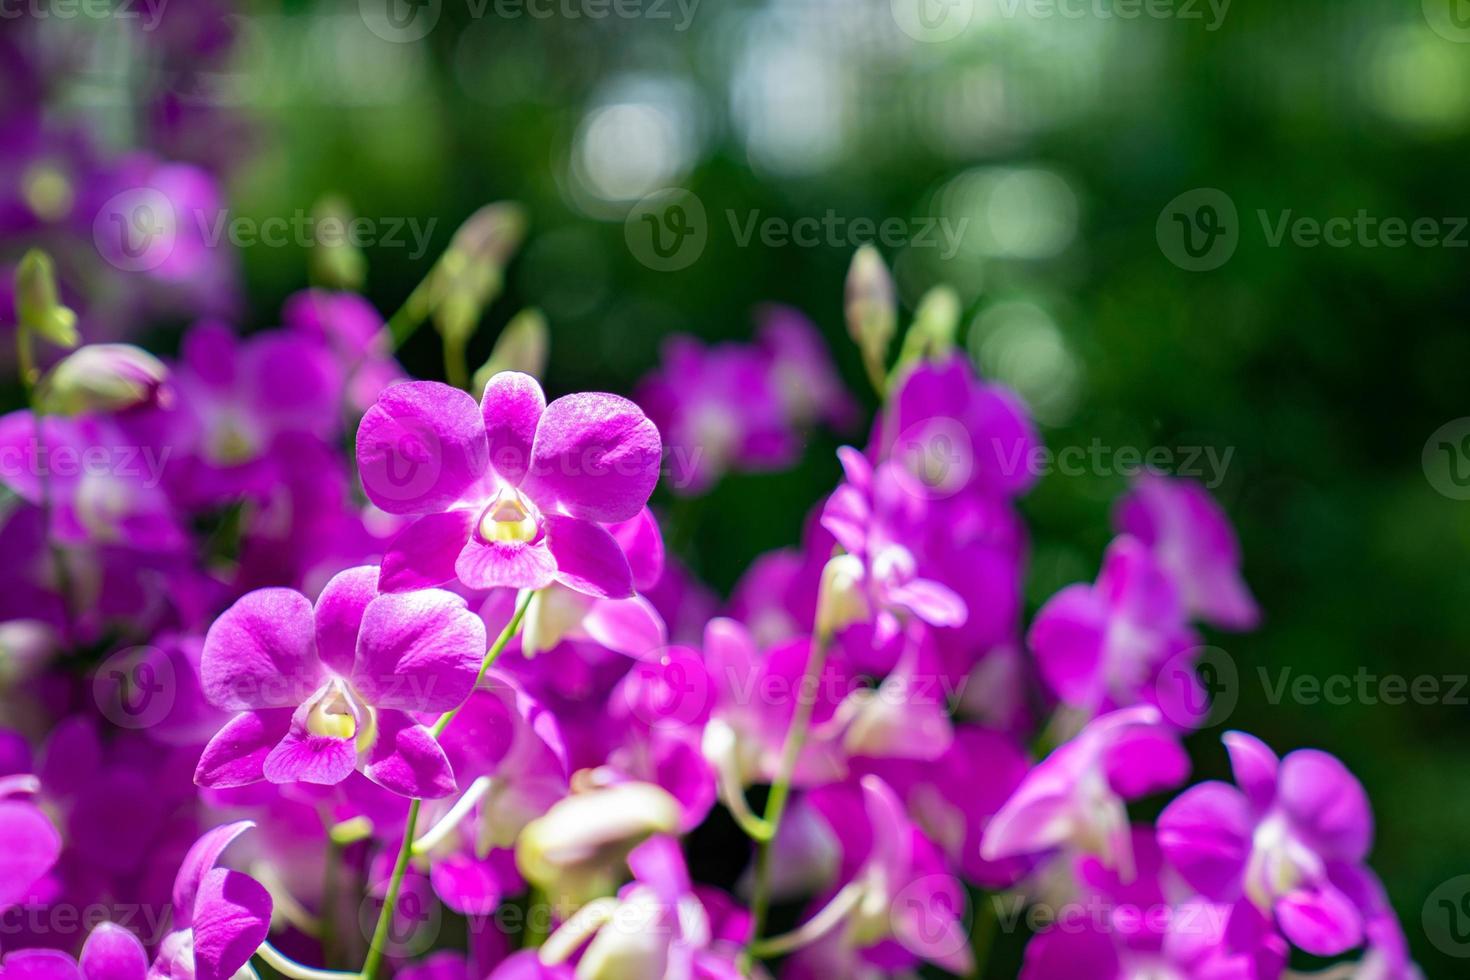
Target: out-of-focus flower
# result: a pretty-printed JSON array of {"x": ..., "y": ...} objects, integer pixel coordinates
[
  {"x": 576, "y": 850},
  {"x": 1102, "y": 646},
  {"x": 1074, "y": 798},
  {"x": 1192, "y": 539},
  {"x": 32, "y": 845},
  {"x": 353, "y": 330},
  {"x": 333, "y": 688},
  {"x": 1276, "y": 840},
  {"x": 103, "y": 378},
  {"x": 515, "y": 492}
]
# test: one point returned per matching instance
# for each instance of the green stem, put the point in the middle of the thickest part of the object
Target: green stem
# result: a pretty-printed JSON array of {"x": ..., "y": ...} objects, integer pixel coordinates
[
  {"x": 25, "y": 357},
  {"x": 496, "y": 649},
  {"x": 286, "y": 966},
  {"x": 760, "y": 904},
  {"x": 379, "y": 944},
  {"x": 411, "y": 315},
  {"x": 377, "y": 948},
  {"x": 982, "y": 935},
  {"x": 456, "y": 366}
]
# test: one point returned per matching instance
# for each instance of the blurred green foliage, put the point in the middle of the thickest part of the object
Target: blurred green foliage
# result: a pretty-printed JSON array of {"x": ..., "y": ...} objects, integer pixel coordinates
[{"x": 1321, "y": 370}]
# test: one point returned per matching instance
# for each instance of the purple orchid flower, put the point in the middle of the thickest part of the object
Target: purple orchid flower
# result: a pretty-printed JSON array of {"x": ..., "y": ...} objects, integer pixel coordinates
[
  {"x": 513, "y": 493},
  {"x": 1277, "y": 841},
  {"x": 328, "y": 689},
  {"x": 110, "y": 953},
  {"x": 1148, "y": 926},
  {"x": 904, "y": 905},
  {"x": 354, "y": 331},
  {"x": 220, "y": 916},
  {"x": 1074, "y": 798},
  {"x": 660, "y": 927},
  {"x": 872, "y": 515},
  {"x": 1191, "y": 538},
  {"x": 1102, "y": 646},
  {"x": 32, "y": 845}
]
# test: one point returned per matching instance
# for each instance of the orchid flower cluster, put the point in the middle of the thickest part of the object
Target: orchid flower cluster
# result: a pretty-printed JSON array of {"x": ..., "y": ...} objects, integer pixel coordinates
[{"x": 449, "y": 709}]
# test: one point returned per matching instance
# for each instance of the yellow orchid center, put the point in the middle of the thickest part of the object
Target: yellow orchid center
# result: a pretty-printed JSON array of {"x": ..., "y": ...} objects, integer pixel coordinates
[{"x": 509, "y": 518}]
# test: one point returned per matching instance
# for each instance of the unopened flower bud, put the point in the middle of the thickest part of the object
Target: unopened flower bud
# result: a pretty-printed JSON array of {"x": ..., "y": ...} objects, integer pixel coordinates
[
  {"x": 635, "y": 946},
  {"x": 576, "y": 850},
  {"x": 521, "y": 346},
  {"x": 471, "y": 272},
  {"x": 935, "y": 322},
  {"x": 870, "y": 304},
  {"x": 26, "y": 646},
  {"x": 842, "y": 598},
  {"x": 37, "y": 304},
  {"x": 335, "y": 261},
  {"x": 103, "y": 378}
]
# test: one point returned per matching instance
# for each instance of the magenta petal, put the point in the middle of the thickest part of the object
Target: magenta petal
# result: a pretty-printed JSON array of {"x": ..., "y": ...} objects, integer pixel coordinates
[
  {"x": 1206, "y": 835},
  {"x": 407, "y": 759},
  {"x": 466, "y": 885},
  {"x": 232, "y": 917},
  {"x": 1328, "y": 802},
  {"x": 1070, "y": 954},
  {"x": 512, "y": 407},
  {"x": 31, "y": 847},
  {"x": 420, "y": 447},
  {"x": 40, "y": 964},
  {"x": 418, "y": 651},
  {"x": 629, "y": 626},
  {"x": 1321, "y": 920},
  {"x": 505, "y": 564},
  {"x": 113, "y": 953},
  {"x": 302, "y": 757},
  {"x": 1255, "y": 767},
  {"x": 588, "y": 558},
  {"x": 262, "y": 652},
  {"x": 339, "y": 612},
  {"x": 202, "y": 857},
  {"x": 595, "y": 454},
  {"x": 848, "y": 518},
  {"x": 643, "y": 543},
  {"x": 1144, "y": 759},
  {"x": 237, "y": 753},
  {"x": 423, "y": 554},
  {"x": 935, "y": 604},
  {"x": 1067, "y": 638}
]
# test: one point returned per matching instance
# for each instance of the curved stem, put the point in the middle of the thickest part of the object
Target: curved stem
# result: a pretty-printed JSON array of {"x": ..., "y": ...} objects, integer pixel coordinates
[
  {"x": 377, "y": 948},
  {"x": 781, "y": 789},
  {"x": 462, "y": 806},
  {"x": 379, "y": 944},
  {"x": 496, "y": 649},
  {"x": 286, "y": 966},
  {"x": 814, "y": 928}
]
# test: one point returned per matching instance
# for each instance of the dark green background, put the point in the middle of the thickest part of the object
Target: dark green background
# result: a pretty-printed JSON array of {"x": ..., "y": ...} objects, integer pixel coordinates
[{"x": 1324, "y": 369}]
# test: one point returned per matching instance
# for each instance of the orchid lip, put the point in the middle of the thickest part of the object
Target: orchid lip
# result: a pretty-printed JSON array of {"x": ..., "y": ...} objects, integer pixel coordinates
[
  {"x": 509, "y": 518},
  {"x": 337, "y": 711}
]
